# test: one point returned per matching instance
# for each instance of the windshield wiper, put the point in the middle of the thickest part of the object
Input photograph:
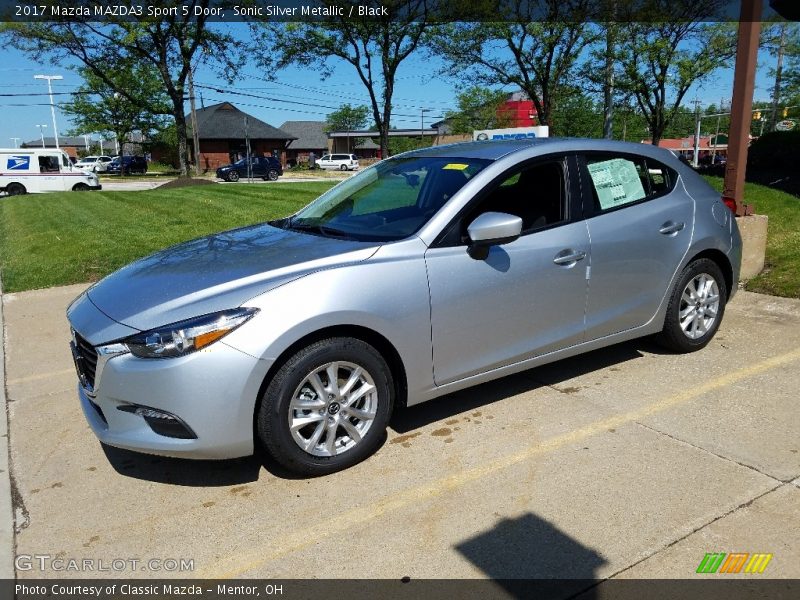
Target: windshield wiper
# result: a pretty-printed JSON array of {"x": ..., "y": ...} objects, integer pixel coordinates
[{"x": 323, "y": 230}]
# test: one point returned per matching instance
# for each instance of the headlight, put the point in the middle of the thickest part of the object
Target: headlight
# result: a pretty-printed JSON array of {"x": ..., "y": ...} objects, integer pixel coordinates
[{"x": 187, "y": 336}]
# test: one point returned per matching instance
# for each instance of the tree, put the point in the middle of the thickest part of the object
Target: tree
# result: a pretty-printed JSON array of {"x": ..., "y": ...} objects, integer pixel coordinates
[
  {"x": 374, "y": 47},
  {"x": 535, "y": 49},
  {"x": 171, "y": 45},
  {"x": 578, "y": 115},
  {"x": 782, "y": 40},
  {"x": 478, "y": 108},
  {"x": 98, "y": 108},
  {"x": 348, "y": 118},
  {"x": 660, "y": 61}
]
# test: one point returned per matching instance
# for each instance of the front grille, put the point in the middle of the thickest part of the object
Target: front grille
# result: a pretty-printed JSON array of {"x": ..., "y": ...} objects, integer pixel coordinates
[{"x": 87, "y": 359}]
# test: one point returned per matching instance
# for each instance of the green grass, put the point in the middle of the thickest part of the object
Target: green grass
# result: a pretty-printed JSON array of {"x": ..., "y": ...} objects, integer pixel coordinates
[
  {"x": 781, "y": 275},
  {"x": 62, "y": 238}
]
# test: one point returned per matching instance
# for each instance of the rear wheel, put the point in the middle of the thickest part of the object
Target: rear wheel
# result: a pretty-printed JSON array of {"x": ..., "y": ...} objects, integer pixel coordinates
[
  {"x": 272, "y": 175},
  {"x": 16, "y": 189},
  {"x": 695, "y": 308},
  {"x": 233, "y": 176},
  {"x": 327, "y": 407},
  {"x": 343, "y": 168}
]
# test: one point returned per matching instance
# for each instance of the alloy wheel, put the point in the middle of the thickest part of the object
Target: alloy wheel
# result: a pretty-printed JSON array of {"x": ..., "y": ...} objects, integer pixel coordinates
[
  {"x": 699, "y": 306},
  {"x": 333, "y": 408}
]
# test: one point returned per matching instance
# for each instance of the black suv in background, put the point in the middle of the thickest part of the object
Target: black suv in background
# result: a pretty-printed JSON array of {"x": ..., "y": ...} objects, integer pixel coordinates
[
  {"x": 265, "y": 167},
  {"x": 133, "y": 164}
]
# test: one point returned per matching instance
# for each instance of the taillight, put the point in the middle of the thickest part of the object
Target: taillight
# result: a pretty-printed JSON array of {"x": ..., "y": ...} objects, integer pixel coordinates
[{"x": 730, "y": 203}]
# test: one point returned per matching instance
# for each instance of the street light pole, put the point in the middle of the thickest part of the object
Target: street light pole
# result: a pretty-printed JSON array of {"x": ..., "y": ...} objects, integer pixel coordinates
[
  {"x": 41, "y": 132},
  {"x": 16, "y": 141},
  {"x": 49, "y": 79}
]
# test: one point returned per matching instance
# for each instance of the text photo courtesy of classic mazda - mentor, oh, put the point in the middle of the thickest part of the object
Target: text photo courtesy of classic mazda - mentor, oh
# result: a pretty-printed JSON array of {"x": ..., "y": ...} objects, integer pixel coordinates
[{"x": 426, "y": 273}]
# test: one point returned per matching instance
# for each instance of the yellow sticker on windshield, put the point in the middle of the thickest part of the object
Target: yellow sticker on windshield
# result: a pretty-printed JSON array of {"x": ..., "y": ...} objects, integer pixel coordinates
[{"x": 455, "y": 166}]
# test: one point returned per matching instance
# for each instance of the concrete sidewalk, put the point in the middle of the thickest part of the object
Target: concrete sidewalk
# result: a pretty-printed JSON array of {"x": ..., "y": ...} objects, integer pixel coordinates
[
  {"x": 6, "y": 508},
  {"x": 626, "y": 462}
]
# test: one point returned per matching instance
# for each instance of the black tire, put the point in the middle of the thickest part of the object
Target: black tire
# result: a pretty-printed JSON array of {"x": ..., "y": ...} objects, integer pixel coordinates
[
  {"x": 272, "y": 175},
  {"x": 343, "y": 168},
  {"x": 233, "y": 176},
  {"x": 272, "y": 419},
  {"x": 16, "y": 189},
  {"x": 673, "y": 336},
  {"x": 80, "y": 187}
]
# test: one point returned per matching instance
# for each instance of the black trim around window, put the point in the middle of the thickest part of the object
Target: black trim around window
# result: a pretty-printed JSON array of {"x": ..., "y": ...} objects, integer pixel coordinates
[
  {"x": 451, "y": 234},
  {"x": 586, "y": 185}
]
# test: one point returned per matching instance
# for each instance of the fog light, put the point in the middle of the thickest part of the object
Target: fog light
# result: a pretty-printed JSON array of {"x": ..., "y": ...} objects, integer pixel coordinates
[{"x": 161, "y": 422}]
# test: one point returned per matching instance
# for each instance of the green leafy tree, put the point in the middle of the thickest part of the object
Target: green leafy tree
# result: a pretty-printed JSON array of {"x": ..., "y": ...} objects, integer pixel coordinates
[
  {"x": 348, "y": 118},
  {"x": 536, "y": 49},
  {"x": 374, "y": 47},
  {"x": 578, "y": 115},
  {"x": 478, "y": 108},
  {"x": 660, "y": 61},
  {"x": 96, "y": 107},
  {"x": 171, "y": 46}
]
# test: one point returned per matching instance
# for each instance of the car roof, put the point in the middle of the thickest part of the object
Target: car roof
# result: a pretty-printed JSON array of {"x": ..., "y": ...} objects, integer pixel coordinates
[{"x": 494, "y": 150}]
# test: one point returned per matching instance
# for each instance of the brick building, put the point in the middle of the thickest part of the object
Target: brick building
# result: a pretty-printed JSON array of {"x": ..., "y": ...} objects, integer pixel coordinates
[{"x": 224, "y": 129}]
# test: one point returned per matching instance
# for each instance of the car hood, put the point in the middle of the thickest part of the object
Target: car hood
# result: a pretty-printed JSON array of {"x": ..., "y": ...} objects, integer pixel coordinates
[{"x": 217, "y": 272}]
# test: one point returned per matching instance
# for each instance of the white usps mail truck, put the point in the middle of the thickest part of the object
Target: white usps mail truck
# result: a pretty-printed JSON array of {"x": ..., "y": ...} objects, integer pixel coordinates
[{"x": 35, "y": 170}]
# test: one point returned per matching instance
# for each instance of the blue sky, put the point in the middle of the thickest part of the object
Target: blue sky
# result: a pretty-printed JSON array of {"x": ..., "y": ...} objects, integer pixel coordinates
[{"x": 418, "y": 86}]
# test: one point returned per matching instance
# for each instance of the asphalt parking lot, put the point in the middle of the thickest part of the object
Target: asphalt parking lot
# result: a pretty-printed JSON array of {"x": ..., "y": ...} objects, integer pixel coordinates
[{"x": 627, "y": 462}]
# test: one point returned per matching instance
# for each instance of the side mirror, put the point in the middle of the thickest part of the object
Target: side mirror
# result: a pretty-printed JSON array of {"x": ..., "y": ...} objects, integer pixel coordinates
[{"x": 492, "y": 229}]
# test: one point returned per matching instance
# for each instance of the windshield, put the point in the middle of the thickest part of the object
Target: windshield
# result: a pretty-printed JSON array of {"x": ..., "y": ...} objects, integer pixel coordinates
[{"x": 388, "y": 201}]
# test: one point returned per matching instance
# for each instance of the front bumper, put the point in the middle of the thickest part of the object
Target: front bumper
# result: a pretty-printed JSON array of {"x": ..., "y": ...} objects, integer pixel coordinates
[
  {"x": 96, "y": 188},
  {"x": 213, "y": 392}
]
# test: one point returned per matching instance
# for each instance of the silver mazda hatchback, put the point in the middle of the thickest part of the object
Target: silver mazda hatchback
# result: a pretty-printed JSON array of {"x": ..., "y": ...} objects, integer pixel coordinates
[{"x": 426, "y": 273}]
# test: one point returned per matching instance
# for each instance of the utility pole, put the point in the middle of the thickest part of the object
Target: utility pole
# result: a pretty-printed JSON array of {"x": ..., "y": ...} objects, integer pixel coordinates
[
  {"x": 422, "y": 112},
  {"x": 696, "y": 161},
  {"x": 195, "y": 133},
  {"x": 776, "y": 92},
  {"x": 16, "y": 141},
  {"x": 608, "y": 88},
  {"x": 49, "y": 79},
  {"x": 86, "y": 141}
]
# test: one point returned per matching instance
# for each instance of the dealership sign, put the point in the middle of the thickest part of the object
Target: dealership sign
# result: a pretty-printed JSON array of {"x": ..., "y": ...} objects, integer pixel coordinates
[
  {"x": 786, "y": 125},
  {"x": 513, "y": 133}
]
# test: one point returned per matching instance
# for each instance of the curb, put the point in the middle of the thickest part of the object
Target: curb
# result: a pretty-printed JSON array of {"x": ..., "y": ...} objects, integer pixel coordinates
[{"x": 6, "y": 507}]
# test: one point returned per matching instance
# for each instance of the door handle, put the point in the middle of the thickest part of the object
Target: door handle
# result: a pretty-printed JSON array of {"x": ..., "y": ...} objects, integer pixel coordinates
[
  {"x": 568, "y": 257},
  {"x": 670, "y": 227}
]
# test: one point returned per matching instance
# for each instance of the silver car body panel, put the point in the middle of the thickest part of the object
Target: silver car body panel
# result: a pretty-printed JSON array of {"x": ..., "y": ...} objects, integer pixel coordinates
[{"x": 453, "y": 321}]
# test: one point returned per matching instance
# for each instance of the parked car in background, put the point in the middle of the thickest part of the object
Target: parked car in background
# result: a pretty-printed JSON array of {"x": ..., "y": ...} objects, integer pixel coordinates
[
  {"x": 263, "y": 167},
  {"x": 133, "y": 165},
  {"x": 426, "y": 273},
  {"x": 95, "y": 164},
  {"x": 342, "y": 162}
]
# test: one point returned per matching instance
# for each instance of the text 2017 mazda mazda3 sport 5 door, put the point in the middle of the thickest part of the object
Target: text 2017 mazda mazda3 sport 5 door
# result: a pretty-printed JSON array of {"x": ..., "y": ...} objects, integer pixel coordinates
[{"x": 424, "y": 274}]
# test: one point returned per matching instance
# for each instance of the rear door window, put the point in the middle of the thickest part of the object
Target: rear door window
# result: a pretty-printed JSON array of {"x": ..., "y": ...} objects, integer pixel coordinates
[{"x": 619, "y": 180}]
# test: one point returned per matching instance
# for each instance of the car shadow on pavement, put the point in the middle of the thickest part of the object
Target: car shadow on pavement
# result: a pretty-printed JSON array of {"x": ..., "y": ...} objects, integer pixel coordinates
[
  {"x": 553, "y": 374},
  {"x": 531, "y": 558},
  {"x": 182, "y": 471}
]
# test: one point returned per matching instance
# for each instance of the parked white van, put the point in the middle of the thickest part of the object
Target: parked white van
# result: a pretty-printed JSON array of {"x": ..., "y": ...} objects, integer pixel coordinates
[{"x": 29, "y": 170}]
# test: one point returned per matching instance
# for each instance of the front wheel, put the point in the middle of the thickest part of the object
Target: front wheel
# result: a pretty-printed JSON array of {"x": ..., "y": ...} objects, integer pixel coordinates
[
  {"x": 327, "y": 407},
  {"x": 233, "y": 176},
  {"x": 696, "y": 307}
]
